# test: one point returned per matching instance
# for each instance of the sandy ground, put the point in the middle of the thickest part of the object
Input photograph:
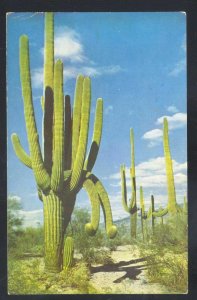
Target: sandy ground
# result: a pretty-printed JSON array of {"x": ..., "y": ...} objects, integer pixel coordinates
[{"x": 126, "y": 276}]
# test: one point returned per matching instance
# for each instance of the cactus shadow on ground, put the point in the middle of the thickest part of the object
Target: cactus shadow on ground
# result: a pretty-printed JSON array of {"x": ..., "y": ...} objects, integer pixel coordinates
[{"x": 123, "y": 266}]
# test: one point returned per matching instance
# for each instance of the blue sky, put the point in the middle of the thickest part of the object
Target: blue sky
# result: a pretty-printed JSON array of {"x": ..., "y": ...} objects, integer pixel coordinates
[{"x": 137, "y": 63}]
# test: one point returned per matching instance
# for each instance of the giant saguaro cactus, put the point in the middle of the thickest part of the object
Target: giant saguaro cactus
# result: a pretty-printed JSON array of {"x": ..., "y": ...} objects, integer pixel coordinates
[
  {"x": 63, "y": 168},
  {"x": 130, "y": 207}
]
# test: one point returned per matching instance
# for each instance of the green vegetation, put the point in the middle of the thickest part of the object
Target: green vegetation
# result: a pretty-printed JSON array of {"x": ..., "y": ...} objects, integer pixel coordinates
[
  {"x": 167, "y": 254},
  {"x": 63, "y": 169}
]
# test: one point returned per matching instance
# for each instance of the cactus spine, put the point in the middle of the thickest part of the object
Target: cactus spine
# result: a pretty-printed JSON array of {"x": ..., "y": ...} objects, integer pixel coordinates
[
  {"x": 62, "y": 169},
  {"x": 131, "y": 208},
  {"x": 68, "y": 252}
]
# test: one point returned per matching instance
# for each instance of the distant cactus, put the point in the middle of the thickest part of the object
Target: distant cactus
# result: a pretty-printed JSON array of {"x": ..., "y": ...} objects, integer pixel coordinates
[
  {"x": 68, "y": 252},
  {"x": 142, "y": 210},
  {"x": 172, "y": 205},
  {"x": 62, "y": 169},
  {"x": 131, "y": 208}
]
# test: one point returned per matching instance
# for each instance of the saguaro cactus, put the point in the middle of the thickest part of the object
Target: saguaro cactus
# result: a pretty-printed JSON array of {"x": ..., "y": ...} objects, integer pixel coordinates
[
  {"x": 172, "y": 205},
  {"x": 131, "y": 208},
  {"x": 62, "y": 169}
]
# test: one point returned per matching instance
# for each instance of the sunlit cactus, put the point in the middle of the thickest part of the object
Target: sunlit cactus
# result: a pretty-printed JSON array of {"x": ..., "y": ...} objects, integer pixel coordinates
[
  {"x": 130, "y": 207},
  {"x": 68, "y": 252},
  {"x": 62, "y": 168}
]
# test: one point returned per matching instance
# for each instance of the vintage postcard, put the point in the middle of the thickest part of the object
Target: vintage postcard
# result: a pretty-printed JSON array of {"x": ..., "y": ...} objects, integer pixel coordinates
[{"x": 97, "y": 153}]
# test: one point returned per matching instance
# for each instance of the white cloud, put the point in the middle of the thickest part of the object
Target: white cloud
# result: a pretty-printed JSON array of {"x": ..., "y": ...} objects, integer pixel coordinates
[
  {"x": 37, "y": 77},
  {"x": 108, "y": 109},
  {"x": 71, "y": 72},
  {"x": 151, "y": 174},
  {"x": 172, "y": 109},
  {"x": 153, "y": 134},
  {"x": 175, "y": 121},
  {"x": 179, "y": 67},
  {"x": 32, "y": 218},
  {"x": 68, "y": 47}
]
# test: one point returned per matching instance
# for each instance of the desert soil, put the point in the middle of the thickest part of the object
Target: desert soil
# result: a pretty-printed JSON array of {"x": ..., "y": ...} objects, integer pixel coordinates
[{"x": 127, "y": 275}]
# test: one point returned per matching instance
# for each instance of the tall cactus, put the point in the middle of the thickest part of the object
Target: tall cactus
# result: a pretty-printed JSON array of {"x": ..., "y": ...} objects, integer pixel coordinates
[
  {"x": 131, "y": 208},
  {"x": 63, "y": 168},
  {"x": 172, "y": 205}
]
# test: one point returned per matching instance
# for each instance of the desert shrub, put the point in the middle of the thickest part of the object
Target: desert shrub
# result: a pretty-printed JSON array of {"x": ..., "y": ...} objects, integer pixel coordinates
[
  {"x": 87, "y": 246},
  {"x": 28, "y": 277},
  {"x": 122, "y": 238},
  {"x": 166, "y": 253}
]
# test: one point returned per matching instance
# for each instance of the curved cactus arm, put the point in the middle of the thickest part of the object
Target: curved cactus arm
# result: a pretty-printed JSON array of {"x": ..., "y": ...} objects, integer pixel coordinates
[
  {"x": 124, "y": 188},
  {"x": 172, "y": 206},
  {"x": 77, "y": 116},
  {"x": 20, "y": 152},
  {"x": 90, "y": 161},
  {"x": 105, "y": 204},
  {"x": 92, "y": 227},
  {"x": 57, "y": 175},
  {"x": 48, "y": 99},
  {"x": 160, "y": 213},
  {"x": 40, "y": 173},
  {"x": 83, "y": 137},
  {"x": 68, "y": 133}
]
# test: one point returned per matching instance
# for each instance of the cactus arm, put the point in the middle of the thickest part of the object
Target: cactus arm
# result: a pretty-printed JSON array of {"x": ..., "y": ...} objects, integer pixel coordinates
[
  {"x": 160, "y": 213},
  {"x": 105, "y": 204},
  {"x": 132, "y": 172},
  {"x": 90, "y": 161},
  {"x": 77, "y": 116},
  {"x": 149, "y": 213},
  {"x": 142, "y": 206},
  {"x": 169, "y": 170},
  {"x": 83, "y": 137},
  {"x": 48, "y": 99},
  {"x": 20, "y": 152},
  {"x": 57, "y": 175},
  {"x": 92, "y": 227},
  {"x": 124, "y": 188},
  {"x": 49, "y": 51},
  {"x": 40, "y": 173},
  {"x": 68, "y": 133}
]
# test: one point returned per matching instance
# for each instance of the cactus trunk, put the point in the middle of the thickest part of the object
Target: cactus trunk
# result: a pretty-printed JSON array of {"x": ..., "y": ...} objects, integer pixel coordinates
[
  {"x": 172, "y": 205},
  {"x": 53, "y": 232}
]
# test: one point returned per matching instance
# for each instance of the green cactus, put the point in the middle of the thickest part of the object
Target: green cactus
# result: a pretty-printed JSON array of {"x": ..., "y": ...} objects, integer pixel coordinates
[
  {"x": 172, "y": 204},
  {"x": 68, "y": 252},
  {"x": 142, "y": 210},
  {"x": 62, "y": 169},
  {"x": 131, "y": 208}
]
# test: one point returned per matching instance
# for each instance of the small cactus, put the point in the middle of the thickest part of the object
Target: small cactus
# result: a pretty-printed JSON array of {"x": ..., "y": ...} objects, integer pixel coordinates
[{"x": 68, "y": 252}]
